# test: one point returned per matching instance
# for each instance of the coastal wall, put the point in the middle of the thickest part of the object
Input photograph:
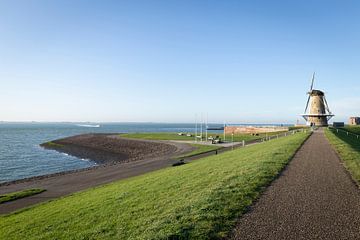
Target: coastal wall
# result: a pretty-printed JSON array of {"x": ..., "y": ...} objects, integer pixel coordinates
[{"x": 249, "y": 129}]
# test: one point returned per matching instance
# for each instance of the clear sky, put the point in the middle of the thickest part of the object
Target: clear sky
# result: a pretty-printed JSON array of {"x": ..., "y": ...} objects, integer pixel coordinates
[{"x": 166, "y": 61}]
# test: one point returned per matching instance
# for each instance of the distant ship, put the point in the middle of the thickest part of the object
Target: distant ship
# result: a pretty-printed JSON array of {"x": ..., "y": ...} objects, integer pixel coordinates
[
  {"x": 89, "y": 125},
  {"x": 215, "y": 128}
]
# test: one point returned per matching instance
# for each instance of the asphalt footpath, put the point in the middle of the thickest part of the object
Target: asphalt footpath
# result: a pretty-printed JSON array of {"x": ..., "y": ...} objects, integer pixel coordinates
[{"x": 314, "y": 198}]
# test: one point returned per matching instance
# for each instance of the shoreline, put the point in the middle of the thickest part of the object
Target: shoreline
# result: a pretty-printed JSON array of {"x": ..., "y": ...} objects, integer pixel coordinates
[
  {"x": 95, "y": 167},
  {"x": 67, "y": 182},
  {"x": 99, "y": 163}
]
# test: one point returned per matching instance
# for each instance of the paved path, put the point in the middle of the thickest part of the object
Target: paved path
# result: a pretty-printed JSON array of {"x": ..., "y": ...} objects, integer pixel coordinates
[{"x": 314, "y": 198}]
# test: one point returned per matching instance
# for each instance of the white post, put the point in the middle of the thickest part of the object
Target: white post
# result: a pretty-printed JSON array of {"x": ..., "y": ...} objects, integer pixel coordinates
[
  {"x": 224, "y": 132},
  {"x": 232, "y": 141},
  {"x": 201, "y": 123},
  {"x": 206, "y": 125},
  {"x": 277, "y": 136},
  {"x": 243, "y": 143},
  {"x": 195, "y": 128}
]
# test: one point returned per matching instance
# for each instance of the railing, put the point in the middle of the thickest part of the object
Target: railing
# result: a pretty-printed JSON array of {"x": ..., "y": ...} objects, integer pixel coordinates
[{"x": 344, "y": 131}]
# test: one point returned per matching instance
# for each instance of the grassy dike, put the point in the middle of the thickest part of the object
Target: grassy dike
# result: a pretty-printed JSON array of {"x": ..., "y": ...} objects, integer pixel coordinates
[
  {"x": 199, "y": 200},
  {"x": 175, "y": 136},
  {"x": 200, "y": 149},
  {"x": 172, "y": 136},
  {"x": 348, "y": 148}
]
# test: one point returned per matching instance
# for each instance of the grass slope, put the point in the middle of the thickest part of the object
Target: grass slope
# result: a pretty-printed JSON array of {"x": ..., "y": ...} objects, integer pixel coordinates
[
  {"x": 21, "y": 194},
  {"x": 200, "y": 149},
  {"x": 157, "y": 136},
  {"x": 348, "y": 147},
  {"x": 298, "y": 128},
  {"x": 172, "y": 136},
  {"x": 175, "y": 136},
  {"x": 199, "y": 200}
]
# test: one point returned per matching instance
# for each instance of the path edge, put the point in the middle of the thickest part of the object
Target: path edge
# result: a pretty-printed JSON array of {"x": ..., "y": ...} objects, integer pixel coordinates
[
  {"x": 262, "y": 191},
  {"x": 342, "y": 163}
]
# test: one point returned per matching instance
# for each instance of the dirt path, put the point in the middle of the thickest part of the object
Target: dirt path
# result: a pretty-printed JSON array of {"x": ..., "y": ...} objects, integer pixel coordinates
[
  {"x": 65, "y": 183},
  {"x": 314, "y": 198}
]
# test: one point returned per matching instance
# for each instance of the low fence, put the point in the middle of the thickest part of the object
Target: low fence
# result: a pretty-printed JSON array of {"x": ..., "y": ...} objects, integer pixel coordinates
[{"x": 337, "y": 130}]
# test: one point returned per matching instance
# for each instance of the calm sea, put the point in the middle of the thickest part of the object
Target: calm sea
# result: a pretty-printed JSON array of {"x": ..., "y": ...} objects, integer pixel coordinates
[{"x": 21, "y": 156}]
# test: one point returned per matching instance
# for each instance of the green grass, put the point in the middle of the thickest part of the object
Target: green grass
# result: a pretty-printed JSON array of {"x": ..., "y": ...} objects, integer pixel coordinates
[
  {"x": 175, "y": 136},
  {"x": 200, "y": 149},
  {"x": 348, "y": 148},
  {"x": 241, "y": 137},
  {"x": 199, "y": 200},
  {"x": 157, "y": 136},
  {"x": 298, "y": 127},
  {"x": 21, "y": 194}
]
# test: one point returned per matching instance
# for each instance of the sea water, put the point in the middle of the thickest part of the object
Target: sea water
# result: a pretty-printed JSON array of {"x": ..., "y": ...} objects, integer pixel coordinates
[{"x": 22, "y": 157}]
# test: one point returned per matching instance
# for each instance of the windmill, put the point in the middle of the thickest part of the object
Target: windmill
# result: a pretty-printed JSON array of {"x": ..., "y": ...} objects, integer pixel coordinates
[{"x": 318, "y": 114}]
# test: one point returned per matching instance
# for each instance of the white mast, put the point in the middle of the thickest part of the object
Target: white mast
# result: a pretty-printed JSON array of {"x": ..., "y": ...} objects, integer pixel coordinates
[
  {"x": 195, "y": 127},
  {"x": 224, "y": 132},
  {"x": 206, "y": 125},
  {"x": 201, "y": 127}
]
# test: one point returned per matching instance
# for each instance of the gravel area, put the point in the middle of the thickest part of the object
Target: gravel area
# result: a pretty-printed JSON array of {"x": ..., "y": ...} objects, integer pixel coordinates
[
  {"x": 110, "y": 148},
  {"x": 314, "y": 198}
]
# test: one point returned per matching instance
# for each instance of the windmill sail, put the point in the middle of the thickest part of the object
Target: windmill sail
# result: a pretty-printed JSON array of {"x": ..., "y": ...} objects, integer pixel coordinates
[
  {"x": 312, "y": 82},
  {"x": 307, "y": 104}
]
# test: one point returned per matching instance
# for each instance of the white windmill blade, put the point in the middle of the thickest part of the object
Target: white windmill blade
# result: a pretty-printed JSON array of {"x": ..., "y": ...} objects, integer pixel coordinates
[
  {"x": 327, "y": 106},
  {"x": 322, "y": 101},
  {"x": 312, "y": 82},
  {"x": 307, "y": 104}
]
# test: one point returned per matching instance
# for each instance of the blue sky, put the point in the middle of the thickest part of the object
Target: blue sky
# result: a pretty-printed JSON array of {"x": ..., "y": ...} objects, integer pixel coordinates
[{"x": 166, "y": 61}]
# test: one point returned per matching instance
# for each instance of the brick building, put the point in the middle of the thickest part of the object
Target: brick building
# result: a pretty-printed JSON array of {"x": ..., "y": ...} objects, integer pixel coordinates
[{"x": 354, "y": 121}]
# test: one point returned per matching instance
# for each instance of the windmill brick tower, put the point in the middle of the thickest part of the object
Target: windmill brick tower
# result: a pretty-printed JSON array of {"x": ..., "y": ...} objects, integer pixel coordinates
[{"x": 318, "y": 114}]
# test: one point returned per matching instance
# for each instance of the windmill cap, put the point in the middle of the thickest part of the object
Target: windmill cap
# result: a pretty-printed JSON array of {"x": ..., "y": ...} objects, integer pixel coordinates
[{"x": 316, "y": 93}]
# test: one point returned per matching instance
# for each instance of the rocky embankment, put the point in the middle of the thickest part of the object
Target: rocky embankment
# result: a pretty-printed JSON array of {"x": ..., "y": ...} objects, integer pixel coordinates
[{"x": 110, "y": 148}]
